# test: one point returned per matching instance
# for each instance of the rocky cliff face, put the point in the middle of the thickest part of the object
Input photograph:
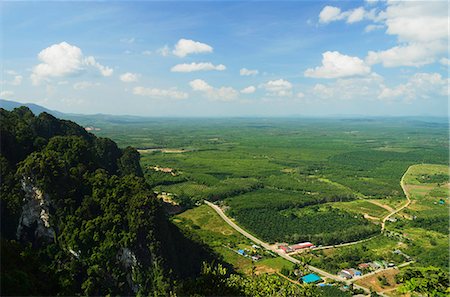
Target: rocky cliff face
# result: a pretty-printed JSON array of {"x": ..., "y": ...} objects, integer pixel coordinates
[
  {"x": 34, "y": 222},
  {"x": 130, "y": 263}
]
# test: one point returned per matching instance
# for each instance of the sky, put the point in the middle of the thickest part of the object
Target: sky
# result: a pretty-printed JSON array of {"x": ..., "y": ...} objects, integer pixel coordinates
[{"x": 227, "y": 58}]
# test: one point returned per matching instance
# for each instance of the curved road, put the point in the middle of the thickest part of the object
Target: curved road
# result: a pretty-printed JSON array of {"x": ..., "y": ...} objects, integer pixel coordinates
[
  {"x": 278, "y": 252},
  {"x": 312, "y": 268},
  {"x": 408, "y": 202}
]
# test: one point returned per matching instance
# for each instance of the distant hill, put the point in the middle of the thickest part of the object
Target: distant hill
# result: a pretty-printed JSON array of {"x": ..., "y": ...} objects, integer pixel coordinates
[
  {"x": 36, "y": 109},
  {"x": 82, "y": 119}
]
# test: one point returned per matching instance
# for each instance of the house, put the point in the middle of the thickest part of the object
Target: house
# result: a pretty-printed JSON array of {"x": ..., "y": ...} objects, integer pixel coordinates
[
  {"x": 355, "y": 272},
  {"x": 256, "y": 246},
  {"x": 311, "y": 278},
  {"x": 349, "y": 273},
  {"x": 256, "y": 257},
  {"x": 241, "y": 252},
  {"x": 302, "y": 245},
  {"x": 285, "y": 248},
  {"x": 363, "y": 265},
  {"x": 345, "y": 274}
]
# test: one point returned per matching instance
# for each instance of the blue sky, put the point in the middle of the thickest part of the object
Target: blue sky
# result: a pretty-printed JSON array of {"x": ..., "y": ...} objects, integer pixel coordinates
[{"x": 182, "y": 58}]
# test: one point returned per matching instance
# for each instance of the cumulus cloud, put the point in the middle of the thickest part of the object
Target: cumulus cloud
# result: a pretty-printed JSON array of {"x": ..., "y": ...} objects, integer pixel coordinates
[
  {"x": 186, "y": 47},
  {"x": 335, "y": 65},
  {"x": 356, "y": 15},
  {"x": 104, "y": 70},
  {"x": 217, "y": 94},
  {"x": 421, "y": 29},
  {"x": 84, "y": 85},
  {"x": 197, "y": 67},
  {"x": 414, "y": 54},
  {"x": 329, "y": 14},
  {"x": 420, "y": 85},
  {"x": 279, "y": 87},
  {"x": 247, "y": 72},
  {"x": 160, "y": 93},
  {"x": 129, "y": 77},
  {"x": 248, "y": 90},
  {"x": 199, "y": 85},
  {"x": 63, "y": 59}
]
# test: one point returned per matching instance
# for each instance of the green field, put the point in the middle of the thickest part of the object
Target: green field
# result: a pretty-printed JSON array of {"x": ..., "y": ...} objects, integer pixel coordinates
[
  {"x": 280, "y": 169},
  {"x": 209, "y": 228},
  {"x": 425, "y": 223}
]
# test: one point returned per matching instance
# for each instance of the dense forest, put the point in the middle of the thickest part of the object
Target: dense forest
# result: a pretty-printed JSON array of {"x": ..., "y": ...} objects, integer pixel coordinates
[{"x": 78, "y": 218}]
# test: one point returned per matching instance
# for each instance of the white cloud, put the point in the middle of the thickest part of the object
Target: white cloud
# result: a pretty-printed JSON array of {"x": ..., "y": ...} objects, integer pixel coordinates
[
  {"x": 356, "y": 15},
  {"x": 417, "y": 21},
  {"x": 6, "y": 93},
  {"x": 185, "y": 47},
  {"x": 247, "y": 72},
  {"x": 129, "y": 77},
  {"x": 160, "y": 93},
  {"x": 197, "y": 67},
  {"x": 420, "y": 85},
  {"x": 199, "y": 85},
  {"x": 279, "y": 87},
  {"x": 63, "y": 59},
  {"x": 445, "y": 61},
  {"x": 104, "y": 70},
  {"x": 421, "y": 29},
  {"x": 219, "y": 94},
  {"x": 335, "y": 65},
  {"x": 413, "y": 54},
  {"x": 300, "y": 95},
  {"x": 84, "y": 85},
  {"x": 329, "y": 14},
  {"x": 164, "y": 51},
  {"x": 147, "y": 53},
  {"x": 248, "y": 90}
]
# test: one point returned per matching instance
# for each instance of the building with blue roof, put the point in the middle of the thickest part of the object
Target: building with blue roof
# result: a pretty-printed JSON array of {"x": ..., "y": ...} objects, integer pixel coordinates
[{"x": 311, "y": 278}]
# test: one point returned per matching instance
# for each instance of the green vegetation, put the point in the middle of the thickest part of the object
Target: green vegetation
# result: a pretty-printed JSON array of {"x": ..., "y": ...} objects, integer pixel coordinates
[
  {"x": 82, "y": 212},
  {"x": 282, "y": 179},
  {"x": 429, "y": 281},
  {"x": 334, "y": 260},
  {"x": 207, "y": 227},
  {"x": 425, "y": 223},
  {"x": 324, "y": 225}
]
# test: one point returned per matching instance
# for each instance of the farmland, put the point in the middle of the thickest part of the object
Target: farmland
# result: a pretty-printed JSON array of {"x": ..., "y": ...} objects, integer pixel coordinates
[{"x": 325, "y": 180}]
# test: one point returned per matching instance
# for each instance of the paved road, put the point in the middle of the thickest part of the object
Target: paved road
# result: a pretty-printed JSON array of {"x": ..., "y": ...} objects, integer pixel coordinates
[
  {"x": 275, "y": 250},
  {"x": 312, "y": 268},
  {"x": 408, "y": 202}
]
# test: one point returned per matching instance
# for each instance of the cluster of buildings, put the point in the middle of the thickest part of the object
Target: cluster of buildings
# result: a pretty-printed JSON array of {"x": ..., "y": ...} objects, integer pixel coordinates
[
  {"x": 369, "y": 266},
  {"x": 349, "y": 273},
  {"x": 165, "y": 170},
  {"x": 295, "y": 247},
  {"x": 252, "y": 253}
]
